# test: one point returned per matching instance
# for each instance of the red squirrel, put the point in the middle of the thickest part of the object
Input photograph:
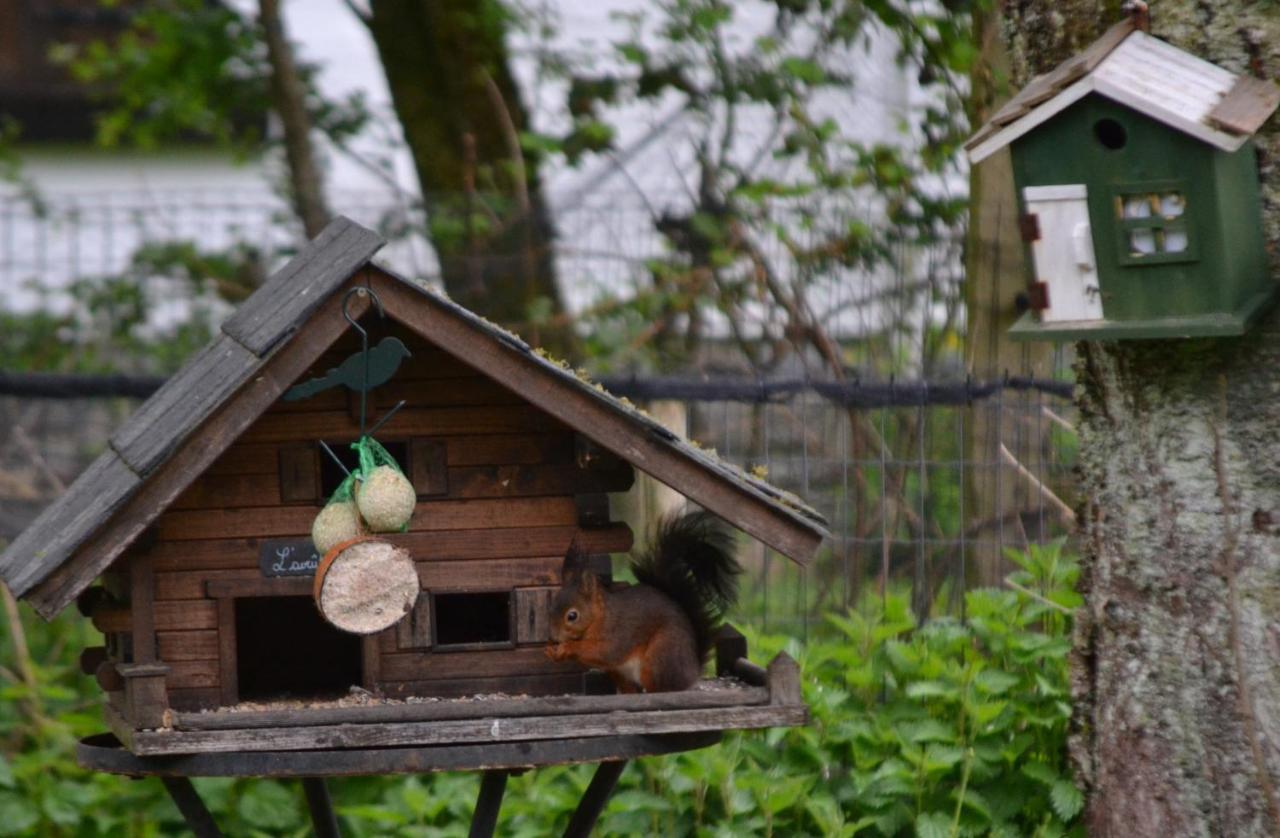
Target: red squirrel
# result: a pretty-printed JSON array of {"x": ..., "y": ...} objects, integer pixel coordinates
[{"x": 653, "y": 636}]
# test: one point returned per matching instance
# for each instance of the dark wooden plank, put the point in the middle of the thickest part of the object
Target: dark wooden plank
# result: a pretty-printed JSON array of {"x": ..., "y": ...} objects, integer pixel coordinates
[
  {"x": 784, "y": 525},
  {"x": 199, "y": 820},
  {"x": 144, "y": 693},
  {"x": 523, "y": 481},
  {"x": 485, "y": 818},
  {"x": 215, "y": 555},
  {"x": 187, "y": 645},
  {"x": 91, "y": 657},
  {"x": 409, "y": 422},
  {"x": 142, "y": 599},
  {"x": 261, "y": 586},
  {"x": 299, "y": 474},
  {"x": 323, "y": 820},
  {"x": 291, "y": 294},
  {"x": 429, "y": 466},
  {"x": 112, "y": 620},
  {"x": 593, "y": 509},
  {"x": 371, "y": 658},
  {"x": 192, "y": 674},
  {"x": 108, "y": 677},
  {"x": 1247, "y": 105},
  {"x": 101, "y": 490},
  {"x": 242, "y": 458},
  {"x": 412, "y": 666},
  {"x": 149, "y": 743},
  {"x": 556, "y": 684},
  {"x": 190, "y": 396},
  {"x": 470, "y": 391},
  {"x": 104, "y": 753},
  {"x": 752, "y": 673},
  {"x": 163, "y": 486},
  {"x": 414, "y": 631},
  {"x": 730, "y": 645},
  {"x": 190, "y": 700},
  {"x": 533, "y": 612},
  {"x": 429, "y": 516},
  {"x": 113, "y": 714},
  {"x": 452, "y": 710}
]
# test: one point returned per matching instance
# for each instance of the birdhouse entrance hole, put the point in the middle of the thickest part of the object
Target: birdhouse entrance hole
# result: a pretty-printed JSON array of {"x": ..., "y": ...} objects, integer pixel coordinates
[
  {"x": 1111, "y": 134},
  {"x": 331, "y": 476},
  {"x": 474, "y": 619},
  {"x": 285, "y": 649}
]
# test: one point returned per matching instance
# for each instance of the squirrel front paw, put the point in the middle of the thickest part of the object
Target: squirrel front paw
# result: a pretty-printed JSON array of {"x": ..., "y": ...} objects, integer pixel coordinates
[{"x": 557, "y": 652}]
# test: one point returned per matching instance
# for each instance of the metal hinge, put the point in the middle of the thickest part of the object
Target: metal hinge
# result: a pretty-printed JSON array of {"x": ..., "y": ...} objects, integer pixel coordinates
[
  {"x": 1029, "y": 226},
  {"x": 1038, "y": 296}
]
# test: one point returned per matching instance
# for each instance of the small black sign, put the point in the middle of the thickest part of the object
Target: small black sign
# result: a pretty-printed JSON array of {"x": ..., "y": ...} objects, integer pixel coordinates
[{"x": 288, "y": 557}]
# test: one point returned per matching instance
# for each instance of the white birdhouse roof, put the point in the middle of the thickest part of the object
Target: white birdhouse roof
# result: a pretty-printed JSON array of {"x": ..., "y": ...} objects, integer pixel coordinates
[{"x": 1147, "y": 75}]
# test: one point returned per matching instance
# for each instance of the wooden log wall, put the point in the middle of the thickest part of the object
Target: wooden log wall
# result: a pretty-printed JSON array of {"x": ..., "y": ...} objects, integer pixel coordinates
[{"x": 510, "y": 492}]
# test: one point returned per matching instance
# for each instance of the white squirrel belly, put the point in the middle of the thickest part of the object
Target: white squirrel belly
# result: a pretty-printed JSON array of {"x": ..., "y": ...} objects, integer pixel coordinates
[{"x": 630, "y": 669}]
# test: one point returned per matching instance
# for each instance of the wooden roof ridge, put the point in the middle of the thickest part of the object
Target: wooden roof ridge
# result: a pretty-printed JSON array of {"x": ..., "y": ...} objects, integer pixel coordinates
[
  {"x": 650, "y": 446},
  {"x": 164, "y": 421},
  {"x": 228, "y": 384},
  {"x": 1196, "y": 97}
]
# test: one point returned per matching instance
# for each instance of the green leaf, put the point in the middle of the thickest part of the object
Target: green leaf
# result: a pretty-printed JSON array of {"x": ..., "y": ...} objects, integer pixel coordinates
[
  {"x": 933, "y": 825},
  {"x": 1040, "y": 772},
  {"x": 1067, "y": 800},
  {"x": 269, "y": 805},
  {"x": 995, "y": 681},
  {"x": 17, "y": 814},
  {"x": 6, "y": 773}
]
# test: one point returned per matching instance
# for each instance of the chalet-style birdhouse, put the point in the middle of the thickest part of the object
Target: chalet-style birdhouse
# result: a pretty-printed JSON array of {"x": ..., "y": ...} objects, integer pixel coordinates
[
  {"x": 1138, "y": 187},
  {"x": 188, "y": 544}
]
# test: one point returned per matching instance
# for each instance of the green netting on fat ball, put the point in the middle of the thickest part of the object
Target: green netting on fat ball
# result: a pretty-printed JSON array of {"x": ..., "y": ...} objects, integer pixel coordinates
[
  {"x": 346, "y": 489},
  {"x": 372, "y": 455}
]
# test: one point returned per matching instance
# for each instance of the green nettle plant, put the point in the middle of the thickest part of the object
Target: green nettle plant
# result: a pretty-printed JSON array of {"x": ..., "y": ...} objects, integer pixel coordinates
[{"x": 957, "y": 727}]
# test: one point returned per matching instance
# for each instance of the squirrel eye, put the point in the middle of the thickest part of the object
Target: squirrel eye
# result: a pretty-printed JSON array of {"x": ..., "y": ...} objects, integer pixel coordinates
[{"x": 571, "y": 616}]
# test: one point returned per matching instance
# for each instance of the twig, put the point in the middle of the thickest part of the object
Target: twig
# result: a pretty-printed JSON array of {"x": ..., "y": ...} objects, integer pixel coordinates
[
  {"x": 1227, "y": 561},
  {"x": 1059, "y": 505},
  {"x": 1022, "y": 589},
  {"x": 22, "y": 658}
]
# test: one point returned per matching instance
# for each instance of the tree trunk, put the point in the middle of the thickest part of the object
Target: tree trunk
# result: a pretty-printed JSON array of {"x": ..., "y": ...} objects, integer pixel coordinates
[
  {"x": 446, "y": 63},
  {"x": 1176, "y": 676},
  {"x": 288, "y": 95}
]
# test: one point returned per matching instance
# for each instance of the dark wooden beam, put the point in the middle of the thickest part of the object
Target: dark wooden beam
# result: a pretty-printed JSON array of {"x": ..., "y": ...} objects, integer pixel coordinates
[
  {"x": 193, "y": 810},
  {"x": 594, "y": 799},
  {"x": 485, "y": 819},
  {"x": 320, "y": 806}
]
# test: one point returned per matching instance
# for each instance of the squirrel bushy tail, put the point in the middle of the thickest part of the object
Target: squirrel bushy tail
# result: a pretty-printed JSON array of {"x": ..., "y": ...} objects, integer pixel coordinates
[{"x": 690, "y": 559}]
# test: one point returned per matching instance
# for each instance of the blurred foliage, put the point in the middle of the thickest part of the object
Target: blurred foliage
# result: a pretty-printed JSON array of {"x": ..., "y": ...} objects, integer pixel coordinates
[{"x": 951, "y": 728}]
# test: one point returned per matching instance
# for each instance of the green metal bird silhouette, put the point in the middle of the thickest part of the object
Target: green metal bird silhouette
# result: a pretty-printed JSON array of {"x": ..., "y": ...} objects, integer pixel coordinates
[{"x": 384, "y": 360}]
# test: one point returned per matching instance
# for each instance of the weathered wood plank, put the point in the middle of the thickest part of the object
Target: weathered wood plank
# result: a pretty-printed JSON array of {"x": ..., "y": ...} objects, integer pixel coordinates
[
  {"x": 554, "y": 684},
  {"x": 451, "y": 710},
  {"x": 189, "y": 397},
  {"x": 638, "y": 441},
  {"x": 429, "y": 516},
  {"x": 409, "y": 422},
  {"x": 192, "y": 674},
  {"x": 443, "y": 545},
  {"x": 169, "y": 616},
  {"x": 276, "y": 586},
  {"x": 228, "y": 662},
  {"x": 102, "y": 753},
  {"x": 94, "y": 497},
  {"x": 188, "y": 462},
  {"x": 533, "y": 612},
  {"x": 412, "y": 666},
  {"x": 470, "y": 391},
  {"x": 299, "y": 476},
  {"x": 1246, "y": 106},
  {"x": 469, "y": 730},
  {"x": 142, "y": 590},
  {"x": 242, "y": 458},
  {"x": 283, "y": 303},
  {"x": 202, "y": 698},
  {"x": 187, "y": 645},
  {"x": 460, "y": 482},
  {"x": 414, "y": 631},
  {"x": 429, "y": 466}
]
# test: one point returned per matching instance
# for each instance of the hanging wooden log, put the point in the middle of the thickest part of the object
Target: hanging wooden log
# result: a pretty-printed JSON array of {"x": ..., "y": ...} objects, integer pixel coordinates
[{"x": 365, "y": 585}]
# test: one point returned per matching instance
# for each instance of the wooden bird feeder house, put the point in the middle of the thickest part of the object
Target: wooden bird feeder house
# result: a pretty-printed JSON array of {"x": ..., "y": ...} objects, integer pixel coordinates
[
  {"x": 187, "y": 543},
  {"x": 1137, "y": 181}
]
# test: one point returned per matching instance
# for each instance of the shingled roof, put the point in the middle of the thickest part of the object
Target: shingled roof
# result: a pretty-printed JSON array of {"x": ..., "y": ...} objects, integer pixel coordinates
[
  {"x": 50, "y": 563},
  {"x": 1148, "y": 75}
]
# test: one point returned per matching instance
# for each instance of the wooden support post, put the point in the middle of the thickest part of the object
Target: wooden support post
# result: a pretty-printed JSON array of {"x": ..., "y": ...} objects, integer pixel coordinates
[
  {"x": 193, "y": 810},
  {"x": 592, "y": 804},
  {"x": 323, "y": 820},
  {"x": 144, "y": 694},
  {"x": 492, "y": 786},
  {"x": 730, "y": 645},
  {"x": 784, "y": 680}
]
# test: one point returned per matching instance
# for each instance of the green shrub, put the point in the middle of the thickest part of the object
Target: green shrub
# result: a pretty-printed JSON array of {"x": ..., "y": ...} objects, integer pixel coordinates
[{"x": 954, "y": 728}]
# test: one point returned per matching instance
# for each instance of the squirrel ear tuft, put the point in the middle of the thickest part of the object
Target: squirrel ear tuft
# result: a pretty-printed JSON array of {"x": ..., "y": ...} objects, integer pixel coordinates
[{"x": 575, "y": 564}]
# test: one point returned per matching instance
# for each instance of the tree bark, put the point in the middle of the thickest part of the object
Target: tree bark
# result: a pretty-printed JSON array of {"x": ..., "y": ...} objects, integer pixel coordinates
[
  {"x": 288, "y": 94},
  {"x": 446, "y": 63},
  {"x": 1176, "y": 677}
]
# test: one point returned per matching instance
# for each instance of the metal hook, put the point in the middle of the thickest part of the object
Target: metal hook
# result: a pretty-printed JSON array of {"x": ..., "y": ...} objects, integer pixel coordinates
[{"x": 364, "y": 342}]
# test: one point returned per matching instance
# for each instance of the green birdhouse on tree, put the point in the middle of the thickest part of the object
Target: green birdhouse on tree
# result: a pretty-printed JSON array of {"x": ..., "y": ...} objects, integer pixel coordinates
[{"x": 1137, "y": 185}]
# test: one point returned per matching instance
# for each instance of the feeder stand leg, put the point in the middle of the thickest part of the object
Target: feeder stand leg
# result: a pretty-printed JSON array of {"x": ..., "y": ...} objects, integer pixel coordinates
[
  {"x": 592, "y": 803},
  {"x": 319, "y": 803},
  {"x": 492, "y": 786},
  {"x": 192, "y": 807}
]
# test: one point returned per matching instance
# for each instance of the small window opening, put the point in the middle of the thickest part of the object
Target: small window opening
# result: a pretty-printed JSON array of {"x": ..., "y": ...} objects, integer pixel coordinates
[
  {"x": 465, "y": 619},
  {"x": 1154, "y": 223},
  {"x": 331, "y": 476},
  {"x": 1111, "y": 134},
  {"x": 285, "y": 649}
]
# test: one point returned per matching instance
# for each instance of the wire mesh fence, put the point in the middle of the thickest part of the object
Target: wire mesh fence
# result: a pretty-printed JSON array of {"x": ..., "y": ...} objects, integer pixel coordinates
[{"x": 926, "y": 475}]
